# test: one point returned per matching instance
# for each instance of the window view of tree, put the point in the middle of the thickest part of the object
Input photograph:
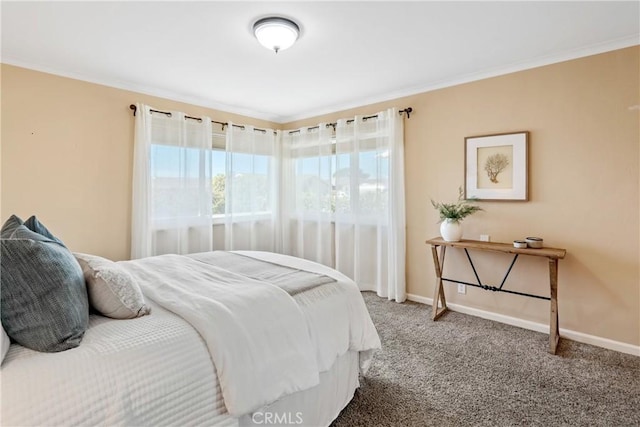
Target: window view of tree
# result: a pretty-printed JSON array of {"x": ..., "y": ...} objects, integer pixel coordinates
[
  {"x": 327, "y": 185},
  {"x": 314, "y": 189},
  {"x": 250, "y": 193},
  {"x": 316, "y": 194},
  {"x": 217, "y": 187},
  {"x": 249, "y": 185}
]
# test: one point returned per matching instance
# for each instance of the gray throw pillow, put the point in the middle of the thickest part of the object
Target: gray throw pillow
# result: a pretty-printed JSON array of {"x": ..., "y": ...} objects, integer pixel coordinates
[
  {"x": 37, "y": 227},
  {"x": 44, "y": 303},
  {"x": 4, "y": 345}
]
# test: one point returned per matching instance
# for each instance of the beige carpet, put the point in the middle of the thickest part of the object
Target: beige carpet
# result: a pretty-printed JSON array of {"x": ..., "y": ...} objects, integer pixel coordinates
[{"x": 467, "y": 371}]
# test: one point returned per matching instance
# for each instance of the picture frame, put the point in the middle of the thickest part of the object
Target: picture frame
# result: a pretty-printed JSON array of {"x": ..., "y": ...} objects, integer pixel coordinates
[{"x": 496, "y": 167}]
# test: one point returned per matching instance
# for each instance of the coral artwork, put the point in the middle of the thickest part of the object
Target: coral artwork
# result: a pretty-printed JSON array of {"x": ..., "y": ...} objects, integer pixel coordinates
[{"x": 495, "y": 164}]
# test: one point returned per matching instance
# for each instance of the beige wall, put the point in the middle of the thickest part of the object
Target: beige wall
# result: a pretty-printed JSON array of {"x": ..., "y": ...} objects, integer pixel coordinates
[
  {"x": 584, "y": 188},
  {"x": 67, "y": 146},
  {"x": 67, "y": 150}
]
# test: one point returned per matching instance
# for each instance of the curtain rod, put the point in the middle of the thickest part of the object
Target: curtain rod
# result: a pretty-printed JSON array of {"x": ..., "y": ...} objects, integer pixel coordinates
[
  {"x": 168, "y": 114},
  {"x": 407, "y": 110}
]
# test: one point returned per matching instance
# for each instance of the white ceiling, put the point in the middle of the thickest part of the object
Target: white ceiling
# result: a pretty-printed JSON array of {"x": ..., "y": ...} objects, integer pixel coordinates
[{"x": 349, "y": 53}]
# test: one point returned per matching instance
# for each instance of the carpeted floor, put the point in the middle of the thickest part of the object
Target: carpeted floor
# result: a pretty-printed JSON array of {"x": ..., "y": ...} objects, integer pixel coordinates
[{"x": 467, "y": 371}]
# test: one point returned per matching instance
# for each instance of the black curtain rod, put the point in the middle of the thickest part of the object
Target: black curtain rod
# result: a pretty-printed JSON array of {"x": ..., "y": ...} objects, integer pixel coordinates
[
  {"x": 407, "y": 110},
  {"x": 168, "y": 114}
]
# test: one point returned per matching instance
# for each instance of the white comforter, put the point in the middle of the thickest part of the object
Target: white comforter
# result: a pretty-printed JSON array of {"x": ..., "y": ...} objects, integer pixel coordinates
[
  {"x": 336, "y": 325},
  {"x": 262, "y": 344}
]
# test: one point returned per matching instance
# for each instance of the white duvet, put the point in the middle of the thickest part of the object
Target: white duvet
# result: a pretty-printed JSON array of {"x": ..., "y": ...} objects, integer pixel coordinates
[
  {"x": 337, "y": 324},
  {"x": 255, "y": 332},
  {"x": 262, "y": 344}
]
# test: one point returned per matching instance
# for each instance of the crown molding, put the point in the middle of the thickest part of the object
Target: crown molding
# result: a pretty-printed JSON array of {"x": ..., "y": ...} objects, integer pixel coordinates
[
  {"x": 145, "y": 90},
  {"x": 595, "y": 49},
  {"x": 582, "y": 52}
]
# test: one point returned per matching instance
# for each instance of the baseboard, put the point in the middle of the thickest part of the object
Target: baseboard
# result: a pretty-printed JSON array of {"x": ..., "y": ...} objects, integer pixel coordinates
[{"x": 535, "y": 326}]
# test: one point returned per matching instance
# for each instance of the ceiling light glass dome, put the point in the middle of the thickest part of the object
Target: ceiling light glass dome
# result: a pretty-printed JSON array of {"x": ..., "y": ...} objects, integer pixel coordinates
[{"x": 276, "y": 33}]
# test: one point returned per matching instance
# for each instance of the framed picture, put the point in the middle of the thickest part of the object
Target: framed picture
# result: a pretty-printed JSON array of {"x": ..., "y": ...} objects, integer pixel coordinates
[{"x": 496, "y": 167}]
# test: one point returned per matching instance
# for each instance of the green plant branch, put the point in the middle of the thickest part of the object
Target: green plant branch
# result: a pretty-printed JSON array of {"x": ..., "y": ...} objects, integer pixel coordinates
[{"x": 456, "y": 212}]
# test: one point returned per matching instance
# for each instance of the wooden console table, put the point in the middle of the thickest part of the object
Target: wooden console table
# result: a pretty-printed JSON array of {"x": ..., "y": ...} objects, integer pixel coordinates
[{"x": 553, "y": 254}]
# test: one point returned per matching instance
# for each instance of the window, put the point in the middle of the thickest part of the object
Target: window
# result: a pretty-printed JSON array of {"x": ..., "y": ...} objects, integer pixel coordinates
[
  {"x": 250, "y": 182},
  {"x": 177, "y": 180},
  {"x": 315, "y": 184},
  {"x": 343, "y": 183},
  {"x": 218, "y": 182},
  {"x": 177, "y": 174}
]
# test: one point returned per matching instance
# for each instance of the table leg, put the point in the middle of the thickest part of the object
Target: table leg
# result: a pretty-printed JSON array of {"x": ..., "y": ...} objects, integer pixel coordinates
[
  {"x": 438, "y": 294},
  {"x": 554, "y": 330}
]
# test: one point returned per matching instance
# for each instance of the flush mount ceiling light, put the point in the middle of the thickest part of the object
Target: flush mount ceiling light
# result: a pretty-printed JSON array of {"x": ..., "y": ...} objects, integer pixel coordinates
[{"x": 276, "y": 33}]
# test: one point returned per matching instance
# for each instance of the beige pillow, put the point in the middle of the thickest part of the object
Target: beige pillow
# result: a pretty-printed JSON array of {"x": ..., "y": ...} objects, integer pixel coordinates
[{"x": 113, "y": 292}]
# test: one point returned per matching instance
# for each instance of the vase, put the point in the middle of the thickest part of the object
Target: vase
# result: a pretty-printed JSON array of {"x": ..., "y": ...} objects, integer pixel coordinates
[{"x": 451, "y": 231}]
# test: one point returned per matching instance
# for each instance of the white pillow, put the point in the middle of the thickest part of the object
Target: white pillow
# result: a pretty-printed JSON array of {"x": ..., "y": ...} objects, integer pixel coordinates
[
  {"x": 4, "y": 345},
  {"x": 112, "y": 290}
]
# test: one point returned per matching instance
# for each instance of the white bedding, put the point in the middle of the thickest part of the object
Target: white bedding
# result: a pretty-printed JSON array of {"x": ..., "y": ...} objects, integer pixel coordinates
[
  {"x": 256, "y": 333},
  {"x": 156, "y": 370},
  {"x": 339, "y": 322},
  {"x": 149, "y": 371}
]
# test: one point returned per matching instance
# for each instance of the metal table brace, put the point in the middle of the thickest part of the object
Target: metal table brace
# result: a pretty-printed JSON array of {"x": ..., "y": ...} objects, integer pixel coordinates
[{"x": 493, "y": 288}]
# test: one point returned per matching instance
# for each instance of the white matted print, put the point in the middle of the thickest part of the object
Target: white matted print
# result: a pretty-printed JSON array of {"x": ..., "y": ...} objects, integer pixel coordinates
[{"x": 496, "y": 166}]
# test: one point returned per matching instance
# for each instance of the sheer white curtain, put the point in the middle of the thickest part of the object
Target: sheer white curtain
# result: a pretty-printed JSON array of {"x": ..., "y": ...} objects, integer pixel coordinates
[
  {"x": 172, "y": 174},
  {"x": 307, "y": 194},
  {"x": 334, "y": 200},
  {"x": 370, "y": 205},
  {"x": 251, "y": 192}
]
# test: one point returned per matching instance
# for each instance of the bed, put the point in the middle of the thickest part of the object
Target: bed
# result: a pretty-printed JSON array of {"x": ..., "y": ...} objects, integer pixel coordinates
[{"x": 232, "y": 339}]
